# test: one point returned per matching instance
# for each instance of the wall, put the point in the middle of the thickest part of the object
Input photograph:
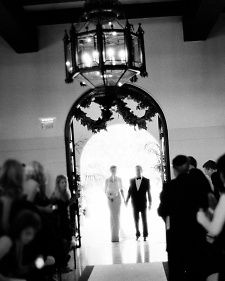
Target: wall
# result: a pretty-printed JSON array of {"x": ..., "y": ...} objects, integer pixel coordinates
[{"x": 185, "y": 78}]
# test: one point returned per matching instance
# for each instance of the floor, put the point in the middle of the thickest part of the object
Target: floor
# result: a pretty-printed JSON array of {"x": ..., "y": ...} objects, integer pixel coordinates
[
  {"x": 124, "y": 252},
  {"x": 97, "y": 249}
]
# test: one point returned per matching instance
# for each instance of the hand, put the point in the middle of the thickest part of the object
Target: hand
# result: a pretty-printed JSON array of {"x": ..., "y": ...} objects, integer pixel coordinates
[
  {"x": 209, "y": 239},
  {"x": 149, "y": 206},
  {"x": 201, "y": 217}
]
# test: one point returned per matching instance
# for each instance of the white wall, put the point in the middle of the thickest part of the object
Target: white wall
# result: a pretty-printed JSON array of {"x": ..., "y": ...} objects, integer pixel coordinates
[{"x": 185, "y": 78}]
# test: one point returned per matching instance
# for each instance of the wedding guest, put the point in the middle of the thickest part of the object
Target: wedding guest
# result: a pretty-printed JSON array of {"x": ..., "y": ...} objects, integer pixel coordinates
[
  {"x": 139, "y": 191},
  {"x": 12, "y": 246},
  {"x": 179, "y": 202},
  {"x": 200, "y": 183},
  {"x": 61, "y": 200},
  {"x": 35, "y": 184},
  {"x": 215, "y": 227},
  {"x": 61, "y": 192},
  {"x": 11, "y": 182},
  {"x": 49, "y": 239},
  {"x": 113, "y": 191},
  {"x": 210, "y": 169}
]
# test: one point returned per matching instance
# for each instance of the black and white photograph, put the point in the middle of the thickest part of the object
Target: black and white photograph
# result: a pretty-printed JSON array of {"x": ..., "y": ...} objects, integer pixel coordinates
[{"x": 112, "y": 140}]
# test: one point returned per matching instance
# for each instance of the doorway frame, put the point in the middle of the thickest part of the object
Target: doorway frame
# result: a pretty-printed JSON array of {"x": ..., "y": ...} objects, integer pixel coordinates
[{"x": 69, "y": 138}]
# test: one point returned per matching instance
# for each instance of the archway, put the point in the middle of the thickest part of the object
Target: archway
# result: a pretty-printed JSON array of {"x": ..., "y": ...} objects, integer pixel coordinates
[{"x": 70, "y": 135}]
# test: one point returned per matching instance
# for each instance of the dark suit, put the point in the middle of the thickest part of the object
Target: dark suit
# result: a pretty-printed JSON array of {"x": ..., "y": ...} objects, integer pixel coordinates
[
  {"x": 139, "y": 203},
  {"x": 181, "y": 199}
]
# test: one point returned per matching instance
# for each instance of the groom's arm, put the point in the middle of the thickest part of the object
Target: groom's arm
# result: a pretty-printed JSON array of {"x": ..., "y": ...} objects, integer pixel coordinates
[
  {"x": 149, "y": 195},
  {"x": 128, "y": 194}
]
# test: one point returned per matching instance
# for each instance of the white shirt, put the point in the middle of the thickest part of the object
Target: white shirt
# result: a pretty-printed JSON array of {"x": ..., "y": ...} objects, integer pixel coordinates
[{"x": 138, "y": 183}]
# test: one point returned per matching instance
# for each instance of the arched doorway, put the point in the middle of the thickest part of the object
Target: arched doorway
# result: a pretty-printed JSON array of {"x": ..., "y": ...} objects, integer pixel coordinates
[{"x": 70, "y": 138}]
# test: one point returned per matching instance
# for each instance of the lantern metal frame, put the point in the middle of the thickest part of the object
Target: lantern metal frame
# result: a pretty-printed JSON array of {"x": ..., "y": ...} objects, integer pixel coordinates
[{"x": 101, "y": 71}]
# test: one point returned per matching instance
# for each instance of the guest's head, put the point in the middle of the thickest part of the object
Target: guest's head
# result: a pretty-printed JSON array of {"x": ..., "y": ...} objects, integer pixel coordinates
[
  {"x": 11, "y": 179},
  {"x": 221, "y": 168},
  {"x": 209, "y": 167},
  {"x": 35, "y": 171},
  {"x": 192, "y": 162},
  {"x": 25, "y": 226},
  {"x": 61, "y": 188},
  {"x": 113, "y": 170},
  {"x": 138, "y": 171},
  {"x": 180, "y": 165}
]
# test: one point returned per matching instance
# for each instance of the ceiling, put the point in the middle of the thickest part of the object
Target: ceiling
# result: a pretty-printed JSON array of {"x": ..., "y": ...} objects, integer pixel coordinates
[{"x": 19, "y": 19}]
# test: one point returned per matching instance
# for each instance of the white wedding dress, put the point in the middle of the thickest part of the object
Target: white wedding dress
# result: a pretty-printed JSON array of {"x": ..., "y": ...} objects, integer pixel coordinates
[{"x": 113, "y": 187}]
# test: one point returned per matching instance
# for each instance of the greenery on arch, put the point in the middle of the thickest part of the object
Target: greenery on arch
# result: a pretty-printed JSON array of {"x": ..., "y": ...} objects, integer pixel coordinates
[{"x": 110, "y": 102}]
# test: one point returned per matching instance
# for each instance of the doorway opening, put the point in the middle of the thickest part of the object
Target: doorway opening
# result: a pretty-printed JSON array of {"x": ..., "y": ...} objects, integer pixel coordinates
[
  {"x": 125, "y": 147},
  {"x": 88, "y": 168}
]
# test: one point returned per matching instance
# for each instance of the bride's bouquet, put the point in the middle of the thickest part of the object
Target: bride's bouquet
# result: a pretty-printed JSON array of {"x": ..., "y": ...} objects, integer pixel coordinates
[{"x": 111, "y": 196}]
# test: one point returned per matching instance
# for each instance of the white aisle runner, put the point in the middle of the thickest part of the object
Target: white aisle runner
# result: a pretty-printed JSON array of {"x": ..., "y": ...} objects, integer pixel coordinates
[{"x": 129, "y": 272}]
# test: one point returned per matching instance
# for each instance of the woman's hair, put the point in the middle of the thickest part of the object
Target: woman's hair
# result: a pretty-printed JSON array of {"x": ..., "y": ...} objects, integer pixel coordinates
[
  {"x": 35, "y": 171},
  {"x": 192, "y": 161},
  {"x": 210, "y": 164},
  {"x": 11, "y": 179},
  {"x": 221, "y": 165},
  {"x": 58, "y": 193},
  {"x": 25, "y": 219}
]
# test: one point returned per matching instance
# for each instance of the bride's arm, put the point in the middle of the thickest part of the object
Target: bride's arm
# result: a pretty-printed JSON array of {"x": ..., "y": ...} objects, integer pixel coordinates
[
  {"x": 121, "y": 188},
  {"x": 215, "y": 226},
  {"x": 106, "y": 186}
]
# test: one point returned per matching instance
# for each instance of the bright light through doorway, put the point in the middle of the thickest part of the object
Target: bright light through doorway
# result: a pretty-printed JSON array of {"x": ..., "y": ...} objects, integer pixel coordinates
[{"x": 125, "y": 147}]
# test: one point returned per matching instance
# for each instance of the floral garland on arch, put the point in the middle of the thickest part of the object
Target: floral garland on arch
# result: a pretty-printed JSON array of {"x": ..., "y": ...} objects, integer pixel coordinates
[{"x": 114, "y": 103}]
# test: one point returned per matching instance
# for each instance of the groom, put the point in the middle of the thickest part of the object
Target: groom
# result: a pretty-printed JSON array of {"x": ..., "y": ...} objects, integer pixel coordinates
[{"x": 139, "y": 188}]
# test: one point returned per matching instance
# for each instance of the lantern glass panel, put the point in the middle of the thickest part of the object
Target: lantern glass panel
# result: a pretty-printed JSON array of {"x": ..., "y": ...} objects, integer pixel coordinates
[
  {"x": 69, "y": 58},
  {"x": 94, "y": 77},
  {"x": 137, "y": 51},
  {"x": 127, "y": 76},
  {"x": 115, "y": 51},
  {"x": 112, "y": 77},
  {"x": 87, "y": 54}
]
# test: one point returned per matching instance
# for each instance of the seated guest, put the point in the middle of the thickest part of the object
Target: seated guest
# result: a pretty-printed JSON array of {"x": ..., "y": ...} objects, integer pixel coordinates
[
  {"x": 50, "y": 238},
  {"x": 12, "y": 246},
  {"x": 61, "y": 192},
  {"x": 11, "y": 182},
  {"x": 61, "y": 200},
  {"x": 35, "y": 184},
  {"x": 216, "y": 226},
  {"x": 210, "y": 169}
]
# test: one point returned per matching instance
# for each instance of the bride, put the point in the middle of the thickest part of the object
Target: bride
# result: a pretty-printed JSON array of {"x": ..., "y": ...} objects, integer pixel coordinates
[{"x": 113, "y": 191}]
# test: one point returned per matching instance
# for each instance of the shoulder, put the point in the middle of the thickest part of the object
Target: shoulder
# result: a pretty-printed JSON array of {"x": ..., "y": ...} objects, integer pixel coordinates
[
  {"x": 220, "y": 208},
  {"x": 146, "y": 180},
  {"x": 222, "y": 199}
]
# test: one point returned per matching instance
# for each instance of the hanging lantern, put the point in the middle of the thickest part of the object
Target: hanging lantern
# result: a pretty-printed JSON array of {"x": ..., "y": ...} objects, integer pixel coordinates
[{"x": 101, "y": 51}]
